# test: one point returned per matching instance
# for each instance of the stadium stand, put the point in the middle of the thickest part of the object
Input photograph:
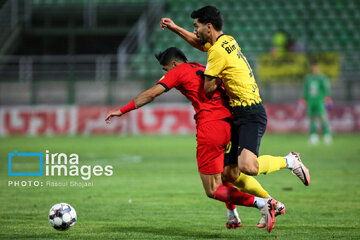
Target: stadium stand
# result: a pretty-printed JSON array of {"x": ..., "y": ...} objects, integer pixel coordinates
[
  {"x": 319, "y": 25},
  {"x": 51, "y": 43}
]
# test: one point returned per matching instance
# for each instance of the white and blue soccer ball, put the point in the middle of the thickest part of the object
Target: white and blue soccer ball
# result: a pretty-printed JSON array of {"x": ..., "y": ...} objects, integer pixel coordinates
[{"x": 62, "y": 216}]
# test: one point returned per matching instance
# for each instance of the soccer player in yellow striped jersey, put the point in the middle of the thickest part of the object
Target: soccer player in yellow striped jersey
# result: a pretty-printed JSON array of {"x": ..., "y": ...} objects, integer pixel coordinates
[{"x": 227, "y": 65}]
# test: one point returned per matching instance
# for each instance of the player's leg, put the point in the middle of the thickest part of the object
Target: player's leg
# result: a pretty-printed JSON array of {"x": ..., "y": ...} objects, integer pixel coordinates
[
  {"x": 227, "y": 193},
  {"x": 212, "y": 138},
  {"x": 250, "y": 129},
  {"x": 314, "y": 137},
  {"x": 312, "y": 114},
  {"x": 211, "y": 182},
  {"x": 248, "y": 184},
  {"x": 245, "y": 135},
  {"x": 232, "y": 173},
  {"x": 268, "y": 164},
  {"x": 325, "y": 123},
  {"x": 247, "y": 162},
  {"x": 243, "y": 182},
  {"x": 233, "y": 219},
  {"x": 326, "y": 129},
  {"x": 250, "y": 134},
  {"x": 210, "y": 158}
]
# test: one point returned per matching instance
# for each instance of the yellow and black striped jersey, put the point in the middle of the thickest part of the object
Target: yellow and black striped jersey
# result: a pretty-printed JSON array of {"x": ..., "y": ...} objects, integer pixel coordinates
[{"x": 226, "y": 61}]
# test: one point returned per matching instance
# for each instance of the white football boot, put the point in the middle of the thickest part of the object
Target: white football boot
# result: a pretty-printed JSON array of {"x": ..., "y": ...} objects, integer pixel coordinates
[{"x": 299, "y": 168}]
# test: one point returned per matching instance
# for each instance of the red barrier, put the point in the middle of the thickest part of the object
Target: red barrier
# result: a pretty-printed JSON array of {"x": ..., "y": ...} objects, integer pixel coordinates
[
  {"x": 37, "y": 120},
  {"x": 152, "y": 119}
]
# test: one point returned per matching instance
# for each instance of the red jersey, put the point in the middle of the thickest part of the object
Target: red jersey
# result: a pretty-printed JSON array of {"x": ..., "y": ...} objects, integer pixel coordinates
[{"x": 187, "y": 78}]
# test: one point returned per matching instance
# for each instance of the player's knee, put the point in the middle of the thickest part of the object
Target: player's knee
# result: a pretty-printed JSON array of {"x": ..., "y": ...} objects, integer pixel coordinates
[
  {"x": 230, "y": 176},
  {"x": 210, "y": 190},
  {"x": 247, "y": 162},
  {"x": 251, "y": 169},
  {"x": 211, "y": 183},
  {"x": 210, "y": 193}
]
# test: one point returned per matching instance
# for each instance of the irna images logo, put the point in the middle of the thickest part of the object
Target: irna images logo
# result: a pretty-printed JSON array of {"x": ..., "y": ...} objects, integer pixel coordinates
[
  {"x": 58, "y": 164},
  {"x": 15, "y": 153}
]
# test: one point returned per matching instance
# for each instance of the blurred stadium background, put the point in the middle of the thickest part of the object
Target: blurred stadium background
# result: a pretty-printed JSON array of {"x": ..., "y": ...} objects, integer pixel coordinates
[{"x": 63, "y": 63}]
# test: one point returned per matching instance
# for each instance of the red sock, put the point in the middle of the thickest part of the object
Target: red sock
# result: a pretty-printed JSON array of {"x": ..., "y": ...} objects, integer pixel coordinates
[
  {"x": 233, "y": 196},
  {"x": 230, "y": 206}
]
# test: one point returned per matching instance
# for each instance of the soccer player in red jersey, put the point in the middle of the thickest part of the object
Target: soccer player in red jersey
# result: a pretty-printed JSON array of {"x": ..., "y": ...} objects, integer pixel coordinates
[{"x": 213, "y": 131}]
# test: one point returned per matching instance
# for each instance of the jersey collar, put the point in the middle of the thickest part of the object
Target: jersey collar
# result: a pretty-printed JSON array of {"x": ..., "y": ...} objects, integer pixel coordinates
[{"x": 219, "y": 37}]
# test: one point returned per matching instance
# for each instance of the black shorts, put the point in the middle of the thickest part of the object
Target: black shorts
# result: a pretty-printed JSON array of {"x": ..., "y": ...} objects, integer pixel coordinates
[{"x": 248, "y": 127}]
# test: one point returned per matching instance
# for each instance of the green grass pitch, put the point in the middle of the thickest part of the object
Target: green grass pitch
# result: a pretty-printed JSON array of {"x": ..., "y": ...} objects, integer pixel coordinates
[{"x": 156, "y": 193}]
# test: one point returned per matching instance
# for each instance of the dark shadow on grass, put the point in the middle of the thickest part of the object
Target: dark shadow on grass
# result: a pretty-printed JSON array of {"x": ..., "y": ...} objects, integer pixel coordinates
[
  {"x": 330, "y": 228},
  {"x": 178, "y": 232}
]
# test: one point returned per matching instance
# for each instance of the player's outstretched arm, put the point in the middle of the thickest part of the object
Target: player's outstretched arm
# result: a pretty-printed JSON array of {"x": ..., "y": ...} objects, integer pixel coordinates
[
  {"x": 185, "y": 34},
  {"x": 141, "y": 100},
  {"x": 149, "y": 95}
]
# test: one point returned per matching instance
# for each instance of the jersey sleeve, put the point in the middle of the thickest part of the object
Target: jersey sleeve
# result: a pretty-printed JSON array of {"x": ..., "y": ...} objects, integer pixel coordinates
[
  {"x": 215, "y": 63},
  {"x": 169, "y": 80}
]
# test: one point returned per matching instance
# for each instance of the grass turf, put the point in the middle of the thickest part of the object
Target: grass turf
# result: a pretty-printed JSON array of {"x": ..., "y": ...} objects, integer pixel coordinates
[{"x": 156, "y": 193}]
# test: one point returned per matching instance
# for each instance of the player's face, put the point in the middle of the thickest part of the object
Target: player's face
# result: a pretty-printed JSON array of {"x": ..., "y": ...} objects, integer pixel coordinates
[
  {"x": 201, "y": 31},
  {"x": 315, "y": 69}
]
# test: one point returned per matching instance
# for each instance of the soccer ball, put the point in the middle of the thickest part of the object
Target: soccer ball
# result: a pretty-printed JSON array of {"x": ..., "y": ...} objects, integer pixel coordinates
[{"x": 62, "y": 216}]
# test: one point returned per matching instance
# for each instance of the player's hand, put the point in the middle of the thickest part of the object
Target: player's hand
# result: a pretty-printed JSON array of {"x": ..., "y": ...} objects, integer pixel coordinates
[
  {"x": 301, "y": 103},
  {"x": 115, "y": 113},
  {"x": 167, "y": 23},
  {"x": 328, "y": 103}
]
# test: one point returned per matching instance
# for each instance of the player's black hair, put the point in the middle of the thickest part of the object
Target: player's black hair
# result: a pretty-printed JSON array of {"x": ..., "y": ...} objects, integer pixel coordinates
[
  {"x": 170, "y": 54},
  {"x": 209, "y": 14}
]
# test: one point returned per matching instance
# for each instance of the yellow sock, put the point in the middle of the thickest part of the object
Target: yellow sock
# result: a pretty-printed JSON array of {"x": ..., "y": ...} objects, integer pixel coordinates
[
  {"x": 249, "y": 184},
  {"x": 269, "y": 164}
]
